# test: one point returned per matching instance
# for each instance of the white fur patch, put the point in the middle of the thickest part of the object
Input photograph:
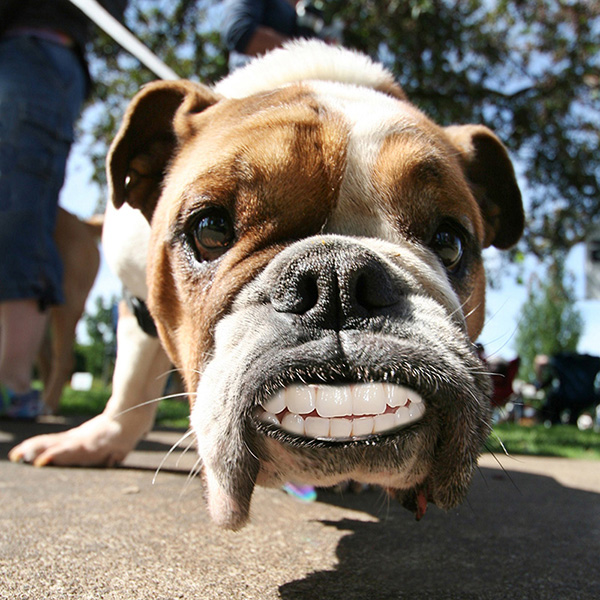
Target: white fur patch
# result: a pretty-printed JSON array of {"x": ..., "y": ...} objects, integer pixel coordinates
[
  {"x": 304, "y": 60},
  {"x": 125, "y": 238}
]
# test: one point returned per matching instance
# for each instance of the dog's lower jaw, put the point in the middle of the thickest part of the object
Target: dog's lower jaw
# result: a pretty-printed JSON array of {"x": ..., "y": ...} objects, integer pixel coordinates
[
  {"x": 414, "y": 478},
  {"x": 229, "y": 482},
  {"x": 228, "y": 500},
  {"x": 433, "y": 459},
  {"x": 228, "y": 490}
]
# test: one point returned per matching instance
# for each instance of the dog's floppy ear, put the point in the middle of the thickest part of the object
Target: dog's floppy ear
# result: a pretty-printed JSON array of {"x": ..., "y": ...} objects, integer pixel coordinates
[
  {"x": 154, "y": 122},
  {"x": 490, "y": 172}
]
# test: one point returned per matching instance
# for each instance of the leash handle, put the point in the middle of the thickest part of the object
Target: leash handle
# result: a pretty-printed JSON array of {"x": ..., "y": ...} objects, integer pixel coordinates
[{"x": 118, "y": 32}]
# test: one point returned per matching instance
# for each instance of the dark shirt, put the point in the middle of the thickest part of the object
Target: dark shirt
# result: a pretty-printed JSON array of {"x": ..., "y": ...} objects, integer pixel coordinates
[
  {"x": 242, "y": 17},
  {"x": 57, "y": 15},
  {"x": 575, "y": 376}
]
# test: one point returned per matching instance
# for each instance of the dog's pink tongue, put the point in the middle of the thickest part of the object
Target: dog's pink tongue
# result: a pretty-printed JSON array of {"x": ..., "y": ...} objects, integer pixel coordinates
[
  {"x": 414, "y": 499},
  {"x": 421, "y": 505}
]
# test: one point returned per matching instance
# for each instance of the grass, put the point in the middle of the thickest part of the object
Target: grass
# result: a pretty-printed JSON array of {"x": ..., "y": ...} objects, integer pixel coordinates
[
  {"x": 171, "y": 412},
  {"x": 561, "y": 440}
]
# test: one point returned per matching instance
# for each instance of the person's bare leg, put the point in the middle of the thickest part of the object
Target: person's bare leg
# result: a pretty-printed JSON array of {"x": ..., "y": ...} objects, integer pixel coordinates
[
  {"x": 22, "y": 327},
  {"x": 138, "y": 380}
]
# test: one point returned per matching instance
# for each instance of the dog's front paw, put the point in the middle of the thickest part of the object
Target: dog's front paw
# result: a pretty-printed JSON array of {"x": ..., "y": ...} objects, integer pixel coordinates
[{"x": 101, "y": 441}]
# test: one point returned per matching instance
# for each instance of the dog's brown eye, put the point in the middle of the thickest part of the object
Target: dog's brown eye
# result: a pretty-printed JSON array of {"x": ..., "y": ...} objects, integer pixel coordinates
[
  {"x": 448, "y": 245},
  {"x": 213, "y": 233}
]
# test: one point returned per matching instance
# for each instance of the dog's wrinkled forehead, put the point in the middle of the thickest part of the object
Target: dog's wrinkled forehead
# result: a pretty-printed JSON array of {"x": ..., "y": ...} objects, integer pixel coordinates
[
  {"x": 324, "y": 156},
  {"x": 275, "y": 157},
  {"x": 401, "y": 174}
]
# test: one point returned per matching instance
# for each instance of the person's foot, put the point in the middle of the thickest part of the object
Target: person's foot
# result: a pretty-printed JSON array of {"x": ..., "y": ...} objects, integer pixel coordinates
[{"x": 21, "y": 407}]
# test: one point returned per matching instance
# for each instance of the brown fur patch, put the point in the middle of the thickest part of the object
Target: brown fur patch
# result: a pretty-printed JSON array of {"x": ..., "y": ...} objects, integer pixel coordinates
[{"x": 275, "y": 162}]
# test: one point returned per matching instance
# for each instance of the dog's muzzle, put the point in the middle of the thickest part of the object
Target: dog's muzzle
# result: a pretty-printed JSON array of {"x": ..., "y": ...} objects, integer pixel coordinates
[
  {"x": 341, "y": 361},
  {"x": 332, "y": 288}
]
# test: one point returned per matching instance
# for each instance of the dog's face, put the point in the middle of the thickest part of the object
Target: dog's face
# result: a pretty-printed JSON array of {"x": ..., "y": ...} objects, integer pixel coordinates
[{"x": 315, "y": 272}]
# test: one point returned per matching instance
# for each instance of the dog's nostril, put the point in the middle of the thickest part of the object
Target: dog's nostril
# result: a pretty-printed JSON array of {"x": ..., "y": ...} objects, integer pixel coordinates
[
  {"x": 364, "y": 292},
  {"x": 297, "y": 295},
  {"x": 373, "y": 289},
  {"x": 307, "y": 294},
  {"x": 332, "y": 287}
]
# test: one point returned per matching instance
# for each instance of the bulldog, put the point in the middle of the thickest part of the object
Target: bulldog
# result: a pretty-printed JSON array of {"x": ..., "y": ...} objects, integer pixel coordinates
[{"x": 314, "y": 270}]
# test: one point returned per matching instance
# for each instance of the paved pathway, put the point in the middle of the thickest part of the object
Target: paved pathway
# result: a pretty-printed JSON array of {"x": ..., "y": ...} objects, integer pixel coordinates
[{"x": 529, "y": 532}]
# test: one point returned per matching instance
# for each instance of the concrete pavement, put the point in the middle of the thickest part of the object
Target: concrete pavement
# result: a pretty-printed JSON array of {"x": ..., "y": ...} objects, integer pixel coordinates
[{"x": 529, "y": 532}]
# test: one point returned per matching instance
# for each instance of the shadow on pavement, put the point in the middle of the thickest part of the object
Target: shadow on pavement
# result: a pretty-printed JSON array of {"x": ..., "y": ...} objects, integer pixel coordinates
[{"x": 518, "y": 535}]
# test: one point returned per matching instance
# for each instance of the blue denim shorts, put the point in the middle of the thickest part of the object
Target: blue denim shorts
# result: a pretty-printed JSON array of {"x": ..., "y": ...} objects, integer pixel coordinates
[{"x": 42, "y": 87}]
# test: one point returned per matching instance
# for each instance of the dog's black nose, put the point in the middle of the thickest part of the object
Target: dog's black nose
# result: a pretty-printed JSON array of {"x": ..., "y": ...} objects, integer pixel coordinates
[{"x": 334, "y": 284}]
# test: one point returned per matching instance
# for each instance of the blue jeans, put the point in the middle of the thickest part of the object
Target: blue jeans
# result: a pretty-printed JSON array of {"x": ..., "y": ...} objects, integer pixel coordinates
[{"x": 42, "y": 87}]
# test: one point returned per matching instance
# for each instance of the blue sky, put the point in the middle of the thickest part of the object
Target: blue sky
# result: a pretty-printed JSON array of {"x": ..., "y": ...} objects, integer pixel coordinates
[{"x": 503, "y": 305}]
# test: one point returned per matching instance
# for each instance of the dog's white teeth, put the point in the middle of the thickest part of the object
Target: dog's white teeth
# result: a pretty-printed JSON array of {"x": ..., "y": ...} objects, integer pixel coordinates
[
  {"x": 369, "y": 399},
  {"x": 276, "y": 402},
  {"x": 334, "y": 401},
  {"x": 293, "y": 424},
  {"x": 268, "y": 417},
  {"x": 384, "y": 422},
  {"x": 416, "y": 410},
  {"x": 402, "y": 416},
  {"x": 399, "y": 396},
  {"x": 362, "y": 426},
  {"x": 340, "y": 428},
  {"x": 342, "y": 412},
  {"x": 316, "y": 427},
  {"x": 300, "y": 399}
]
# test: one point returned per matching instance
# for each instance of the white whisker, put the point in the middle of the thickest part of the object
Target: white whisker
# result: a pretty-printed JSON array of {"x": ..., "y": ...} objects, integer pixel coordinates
[
  {"x": 249, "y": 450},
  {"x": 510, "y": 334},
  {"x": 479, "y": 371},
  {"x": 171, "y": 450},
  {"x": 185, "y": 450},
  {"x": 473, "y": 311},
  {"x": 501, "y": 444},
  {"x": 194, "y": 471},
  {"x": 459, "y": 309},
  {"x": 167, "y": 373},
  {"x": 159, "y": 399}
]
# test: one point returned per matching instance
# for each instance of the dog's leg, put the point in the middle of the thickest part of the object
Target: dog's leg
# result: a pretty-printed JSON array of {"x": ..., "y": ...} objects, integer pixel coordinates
[
  {"x": 63, "y": 322},
  {"x": 106, "y": 439},
  {"x": 77, "y": 242}
]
